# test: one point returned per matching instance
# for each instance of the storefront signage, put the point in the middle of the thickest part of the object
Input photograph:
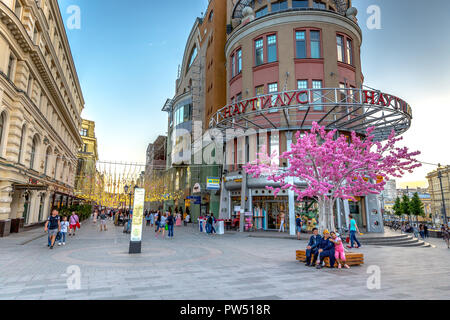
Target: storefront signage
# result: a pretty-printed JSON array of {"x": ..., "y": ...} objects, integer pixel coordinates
[
  {"x": 138, "y": 210},
  {"x": 233, "y": 178},
  {"x": 212, "y": 183},
  {"x": 316, "y": 97}
]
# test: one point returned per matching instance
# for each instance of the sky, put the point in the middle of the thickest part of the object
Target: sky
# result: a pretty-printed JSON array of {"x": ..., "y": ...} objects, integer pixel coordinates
[{"x": 127, "y": 58}]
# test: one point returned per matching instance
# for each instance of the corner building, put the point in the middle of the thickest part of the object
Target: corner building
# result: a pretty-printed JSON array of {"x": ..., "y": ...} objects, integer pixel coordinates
[
  {"x": 40, "y": 106},
  {"x": 291, "y": 63}
]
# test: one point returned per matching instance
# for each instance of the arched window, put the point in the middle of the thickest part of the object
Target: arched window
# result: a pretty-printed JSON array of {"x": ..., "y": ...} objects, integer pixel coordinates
[
  {"x": 192, "y": 56},
  {"x": 22, "y": 142},
  {"x": 34, "y": 146},
  {"x": 56, "y": 166}
]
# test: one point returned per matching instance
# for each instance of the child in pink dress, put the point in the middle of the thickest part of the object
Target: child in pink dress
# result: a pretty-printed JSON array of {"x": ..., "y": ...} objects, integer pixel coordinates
[{"x": 339, "y": 250}]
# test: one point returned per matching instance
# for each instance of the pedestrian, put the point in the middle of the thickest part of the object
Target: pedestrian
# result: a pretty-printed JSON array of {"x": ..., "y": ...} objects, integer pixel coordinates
[
  {"x": 281, "y": 222},
  {"x": 53, "y": 226},
  {"x": 74, "y": 223},
  {"x": 416, "y": 231},
  {"x": 446, "y": 234},
  {"x": 186, "y": 219},
  {"x": 95, "y": 216},
  {"x": 157, "y": 220},
  {"x": 208, "y": 224},
  {"x": 213, "y": 223},
  {"x": 170, "y": 223},
  {"x": 179, "y": 218},
  {"x": 422, "y": 231},
  {"x": 425, "y": 231},
  {"x": 353, "y": 229},
  {"x": 147, "y": 218},
  {"x": 152, "y": 218},
  {"x": 103, "y": 218},
  {"x": 298, "y": 224},
  {"x": 162, "y": 224},
  {"x": 64, "y": 229}
]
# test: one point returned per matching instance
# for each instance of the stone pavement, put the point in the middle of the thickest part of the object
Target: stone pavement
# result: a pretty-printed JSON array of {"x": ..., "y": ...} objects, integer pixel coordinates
[{"x": 199, "y": 266}]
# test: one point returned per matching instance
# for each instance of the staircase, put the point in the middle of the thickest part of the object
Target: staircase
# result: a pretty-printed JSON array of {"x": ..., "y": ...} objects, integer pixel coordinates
[{"x": 403, "y": 240}]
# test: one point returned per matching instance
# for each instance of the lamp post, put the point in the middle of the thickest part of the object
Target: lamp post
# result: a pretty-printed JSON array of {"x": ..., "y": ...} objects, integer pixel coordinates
[{"x": 442, "y": 194}]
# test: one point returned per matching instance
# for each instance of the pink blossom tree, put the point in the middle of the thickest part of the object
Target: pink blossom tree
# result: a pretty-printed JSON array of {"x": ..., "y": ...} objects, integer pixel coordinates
[{"x": 335, "y": 168}]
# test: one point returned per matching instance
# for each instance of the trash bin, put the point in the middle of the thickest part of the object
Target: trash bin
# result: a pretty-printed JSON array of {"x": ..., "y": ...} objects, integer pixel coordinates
[{"x": 220, "y": 227}]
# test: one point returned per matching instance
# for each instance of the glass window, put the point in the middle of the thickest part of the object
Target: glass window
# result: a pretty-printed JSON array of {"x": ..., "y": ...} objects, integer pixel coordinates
[
  {"x": 303, "y": 85},
  {"x": 261, "y": 12},
  {"x": 273, "y": 88},
  {"x": 239, "y": 97},
  {"x": 193, "y": 56},
  {"x": 280, "y": 5},
  {"x": 259, "y": 91},
  {"x": 10, "y": 66},
  {"x": 272, "y": 48},
  {"x": 47, "y": 156},
  {"x": 233, "y": 66},
  {"x": 340, "y": 48},
  {"x": 315, "y": 44},
  {"x": 275, "y": 146},
  {"x": 239, "y": 61},
  {"x": 317, "y": 94},
  {"x": 349, "y": 52},
  {"x": 259, "y": 51},
  {"x": 319, "y": 4},
  {"x": 300, "y": 37},
  {"x": 300, "y": 3}
]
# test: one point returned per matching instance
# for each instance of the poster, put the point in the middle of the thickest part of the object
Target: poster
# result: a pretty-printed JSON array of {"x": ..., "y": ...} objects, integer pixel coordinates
[{"x": 138, "y": 214}]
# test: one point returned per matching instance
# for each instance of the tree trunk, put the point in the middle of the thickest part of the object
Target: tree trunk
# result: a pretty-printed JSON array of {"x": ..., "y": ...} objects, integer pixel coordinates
[{"x": 326, "y": 216}]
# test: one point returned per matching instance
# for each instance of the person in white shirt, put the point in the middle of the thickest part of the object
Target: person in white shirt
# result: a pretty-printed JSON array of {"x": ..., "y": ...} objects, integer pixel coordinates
[{"x": 64, "y": 229}]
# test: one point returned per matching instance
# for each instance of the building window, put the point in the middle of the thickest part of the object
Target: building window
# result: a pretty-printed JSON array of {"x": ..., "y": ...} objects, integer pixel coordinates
[
  {"x": 317, "y": 4},
  {"x": 18, "y": 9},
  {"x": 303, "y": 85},
  {"x": 259, "y": 52},
  {"x": 83, "y": 132},
  {"x": 12, "y": 59},
  {"x": 259, "y": 91},
  {"x": 192, "y": 57},
  {"x": 233, "y": 66},
  {"x": 273, "y": 88},
  {"x": 300, "y": 3},
  {"x": 317, "y": 94},
  {"x": 239, "y": 97},
  {"x": 300, "y": 37},
  {"x": 30, "y": 85},
  {"x": 85, "y": 148},
  {"x": 211, "y": 16},
  {"x": 33, "y": 152},
  {"x": 315, "y": 44},
  {"x": 349, "y": 52},
  {"x": 261, "y": 12},
  {"x": 279, "y": 6},
  {"x": 340, "y": 48},
  {"x": 272, "y": 48},
  {"x": 239, "y": 61}
]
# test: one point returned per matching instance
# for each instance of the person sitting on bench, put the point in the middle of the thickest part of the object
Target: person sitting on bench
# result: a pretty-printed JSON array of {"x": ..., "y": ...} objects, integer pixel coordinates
[
  {"x": 326, "y": 249},
  {"x": 313, "y": 247}
]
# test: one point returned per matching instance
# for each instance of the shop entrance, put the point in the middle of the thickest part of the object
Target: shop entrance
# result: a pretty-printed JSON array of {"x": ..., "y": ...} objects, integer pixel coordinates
[{"x": 268, "y": 211}]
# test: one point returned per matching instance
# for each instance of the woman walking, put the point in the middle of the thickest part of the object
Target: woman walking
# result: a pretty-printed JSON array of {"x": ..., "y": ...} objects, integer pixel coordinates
[
  {"x": 161, "y": 225},
  {"x": 74, "y": 223},
  {"x": 446, "y": 235},
  {"x": 353, "y": 229}
]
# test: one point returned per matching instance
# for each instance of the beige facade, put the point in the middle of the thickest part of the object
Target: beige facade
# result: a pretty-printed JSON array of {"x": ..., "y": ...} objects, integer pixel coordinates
[
  {"x": 434, "y": 188},
  {"x": 40, "y": 106}
]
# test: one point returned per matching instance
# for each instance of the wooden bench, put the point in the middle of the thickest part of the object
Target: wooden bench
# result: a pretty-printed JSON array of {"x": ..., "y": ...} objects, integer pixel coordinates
[{"x": 353, "y": 259}]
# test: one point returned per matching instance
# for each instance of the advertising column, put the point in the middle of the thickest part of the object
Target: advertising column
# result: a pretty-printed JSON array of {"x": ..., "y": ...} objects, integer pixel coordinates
[{"x": 138, "y": 216}]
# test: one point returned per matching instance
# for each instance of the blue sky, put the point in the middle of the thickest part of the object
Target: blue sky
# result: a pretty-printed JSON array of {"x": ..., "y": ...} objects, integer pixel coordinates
[{"x": 127, "y": 58}]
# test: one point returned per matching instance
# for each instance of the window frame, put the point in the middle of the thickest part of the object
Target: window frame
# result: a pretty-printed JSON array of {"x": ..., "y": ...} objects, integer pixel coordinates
[
  {"x": 308, "y": 42},
  {"x": 259, "y": 40},
  {"x": 271, "y": 46}
]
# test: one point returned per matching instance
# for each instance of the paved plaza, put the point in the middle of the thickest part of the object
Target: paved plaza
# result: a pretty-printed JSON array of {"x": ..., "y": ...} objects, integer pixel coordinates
[{"x": 198, "y": 266}]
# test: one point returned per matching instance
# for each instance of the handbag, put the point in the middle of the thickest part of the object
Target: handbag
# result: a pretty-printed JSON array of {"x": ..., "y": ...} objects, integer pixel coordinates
[
  {"x": 167, "y": 227},
  {"x": 347, "y": 240},
  {"x": 58, "y": 236}
]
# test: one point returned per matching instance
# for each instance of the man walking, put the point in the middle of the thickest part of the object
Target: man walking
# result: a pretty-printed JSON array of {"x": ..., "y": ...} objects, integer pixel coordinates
[
  {"x": 53, "y": 226},
  {"x": 170, "y": 221}
]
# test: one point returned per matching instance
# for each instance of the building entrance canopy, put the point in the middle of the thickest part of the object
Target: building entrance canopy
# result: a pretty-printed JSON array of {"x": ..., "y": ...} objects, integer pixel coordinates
[{"x": 345, "y": 109}]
